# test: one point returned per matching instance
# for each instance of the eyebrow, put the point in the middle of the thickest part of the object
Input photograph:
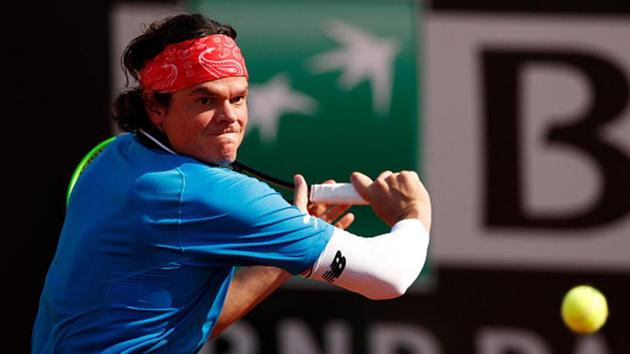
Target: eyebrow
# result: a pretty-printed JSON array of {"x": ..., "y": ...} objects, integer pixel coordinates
[{"x": 207, "y": 92}]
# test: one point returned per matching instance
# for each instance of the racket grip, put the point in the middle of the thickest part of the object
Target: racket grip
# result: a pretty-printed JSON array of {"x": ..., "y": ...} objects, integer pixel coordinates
[{"x": 336, "y": 193}]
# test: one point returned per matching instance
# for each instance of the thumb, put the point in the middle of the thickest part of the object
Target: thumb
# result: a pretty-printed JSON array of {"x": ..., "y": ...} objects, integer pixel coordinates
[
  {"x": 300, "y": 193},
  {"x": 361, "y": 183}
]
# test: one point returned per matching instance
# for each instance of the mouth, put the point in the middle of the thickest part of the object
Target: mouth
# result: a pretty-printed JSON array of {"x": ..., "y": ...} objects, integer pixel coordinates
[
  {"x": 225, "y": 132},
  {"x": 228, "y": 137}
]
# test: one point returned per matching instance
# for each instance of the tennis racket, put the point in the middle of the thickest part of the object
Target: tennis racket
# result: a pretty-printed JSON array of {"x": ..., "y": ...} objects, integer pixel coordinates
[
  {"x": 333, "y": 193},
  {"x": 85, "y": 161},
  {"x": 329, "y": 193}
]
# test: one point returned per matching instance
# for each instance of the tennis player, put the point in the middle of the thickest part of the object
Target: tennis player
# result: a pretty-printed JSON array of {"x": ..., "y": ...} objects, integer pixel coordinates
[{"x": 158, "y": 222}]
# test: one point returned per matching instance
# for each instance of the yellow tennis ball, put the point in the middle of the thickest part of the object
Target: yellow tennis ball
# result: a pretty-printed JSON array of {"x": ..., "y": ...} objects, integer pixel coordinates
[{"x": 584, "y": 309}]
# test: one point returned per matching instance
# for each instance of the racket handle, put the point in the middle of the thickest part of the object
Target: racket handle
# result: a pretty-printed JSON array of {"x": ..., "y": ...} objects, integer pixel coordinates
[{"x": 336, "y": 193}]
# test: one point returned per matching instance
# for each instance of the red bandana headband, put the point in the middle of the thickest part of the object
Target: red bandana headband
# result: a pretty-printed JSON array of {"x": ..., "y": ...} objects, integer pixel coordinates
[{"x": 190, "y": 62}]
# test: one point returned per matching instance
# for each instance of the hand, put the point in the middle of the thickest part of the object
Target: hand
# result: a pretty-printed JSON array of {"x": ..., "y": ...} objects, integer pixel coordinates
[
  {"x": 395, "y": 196},
  {"x": 326, "y": 212}
]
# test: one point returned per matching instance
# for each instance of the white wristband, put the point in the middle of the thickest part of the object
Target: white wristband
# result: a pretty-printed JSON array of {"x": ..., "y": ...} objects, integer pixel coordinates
[{"x": 380, "y": 267}]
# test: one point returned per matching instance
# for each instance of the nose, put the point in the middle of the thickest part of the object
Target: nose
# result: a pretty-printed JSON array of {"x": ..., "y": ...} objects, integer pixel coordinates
[{"x": 227, "y": 113}]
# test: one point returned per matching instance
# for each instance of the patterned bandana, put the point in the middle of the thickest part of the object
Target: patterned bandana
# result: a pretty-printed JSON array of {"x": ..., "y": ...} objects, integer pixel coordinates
[{"x": 190, "y": 62}]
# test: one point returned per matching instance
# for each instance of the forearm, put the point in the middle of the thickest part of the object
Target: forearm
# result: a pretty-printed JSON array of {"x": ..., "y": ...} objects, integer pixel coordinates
[
  {"x": 248, "y": 288},
  {"x": 380, "y": 267}
]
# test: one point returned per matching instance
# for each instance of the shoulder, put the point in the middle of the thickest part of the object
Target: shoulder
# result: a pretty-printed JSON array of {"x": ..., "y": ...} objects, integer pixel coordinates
[
  {"x": 208, "y": 181},
  {"x": 221, "y": 190}
]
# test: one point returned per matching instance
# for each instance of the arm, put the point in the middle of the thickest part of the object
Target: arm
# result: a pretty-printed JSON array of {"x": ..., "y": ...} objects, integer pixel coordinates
[
  {"x": 251, "y": 285},
  {"x": 381, "y": 267},
  {"x": 248, "y": 288}
]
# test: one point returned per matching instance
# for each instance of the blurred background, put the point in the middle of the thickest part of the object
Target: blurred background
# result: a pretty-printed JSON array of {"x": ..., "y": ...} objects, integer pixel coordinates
[{"x": 515, "y": 113}]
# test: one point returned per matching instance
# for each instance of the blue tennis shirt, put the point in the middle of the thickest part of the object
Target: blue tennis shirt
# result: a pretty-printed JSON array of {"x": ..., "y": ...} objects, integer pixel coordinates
[{"x": 148, "y": 249}]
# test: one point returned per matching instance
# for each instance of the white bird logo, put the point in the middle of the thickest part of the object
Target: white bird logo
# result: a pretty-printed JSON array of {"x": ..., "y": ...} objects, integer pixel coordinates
[{"x": 362, "y": 57}]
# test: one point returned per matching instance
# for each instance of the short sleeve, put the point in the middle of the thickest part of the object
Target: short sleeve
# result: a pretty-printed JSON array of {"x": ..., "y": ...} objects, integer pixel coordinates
[{"x": 229, "y": 219}]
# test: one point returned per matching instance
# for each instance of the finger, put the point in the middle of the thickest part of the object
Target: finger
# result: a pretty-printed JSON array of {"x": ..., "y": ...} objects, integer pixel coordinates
[
  {"x": 333, "y": 213},
  {"x": 344, "y": 222},
  {"x": 410, "y": 174},
  {"x": 300, "y": 196},
  {"x": 317, "y": 209},
  {"x": 361, "y": 183},
  {"x": 409, "y": 177},
  {"x": 329, "y": 181},
  {"x": 385, "y": 174}
]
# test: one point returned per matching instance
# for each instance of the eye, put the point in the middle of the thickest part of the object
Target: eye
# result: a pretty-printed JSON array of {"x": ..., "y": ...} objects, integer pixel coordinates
[
  {"x": 237, "y": 100},
  {"x": 204, "y": 101}
]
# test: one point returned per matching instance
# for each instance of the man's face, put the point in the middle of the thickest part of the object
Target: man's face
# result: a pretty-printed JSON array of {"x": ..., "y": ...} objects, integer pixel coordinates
[{"x": 207, "y": 121}]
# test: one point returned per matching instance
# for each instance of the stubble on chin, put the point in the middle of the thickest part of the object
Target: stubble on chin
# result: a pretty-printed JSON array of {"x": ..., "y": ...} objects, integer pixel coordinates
[{"x": 227, "y": 157}]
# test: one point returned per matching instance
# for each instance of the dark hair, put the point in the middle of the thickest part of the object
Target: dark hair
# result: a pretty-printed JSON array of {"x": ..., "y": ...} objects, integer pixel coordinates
[{"x": 129, "y": 112}]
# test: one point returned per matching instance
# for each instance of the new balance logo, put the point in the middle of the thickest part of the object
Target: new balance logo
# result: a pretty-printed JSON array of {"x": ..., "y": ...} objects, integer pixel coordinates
[{"x": 336, "y": 268}]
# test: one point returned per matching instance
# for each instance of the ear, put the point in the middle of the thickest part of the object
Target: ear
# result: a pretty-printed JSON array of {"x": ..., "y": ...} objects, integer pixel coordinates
[{"x": 155, "y": 111}]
